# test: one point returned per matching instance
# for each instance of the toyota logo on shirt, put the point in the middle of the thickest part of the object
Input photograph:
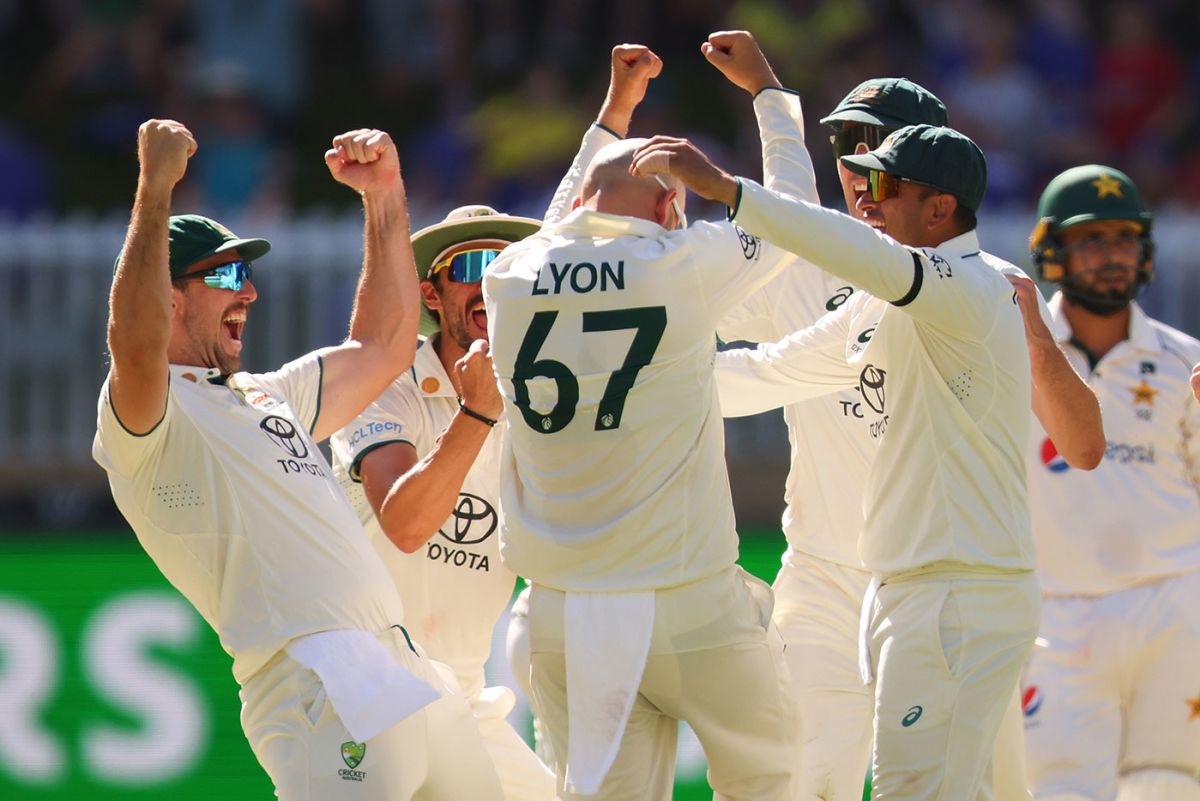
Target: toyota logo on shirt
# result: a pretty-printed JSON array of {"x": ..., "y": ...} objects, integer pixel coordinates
[
  {"x": 870, "y": 386},
  {"x": 283, "y": 433},
  {"x": 473, "y": 520}
]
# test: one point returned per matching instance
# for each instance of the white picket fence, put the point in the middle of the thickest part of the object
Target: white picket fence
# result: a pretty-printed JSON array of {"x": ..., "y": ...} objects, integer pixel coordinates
[{"x": 54, "y": 281}]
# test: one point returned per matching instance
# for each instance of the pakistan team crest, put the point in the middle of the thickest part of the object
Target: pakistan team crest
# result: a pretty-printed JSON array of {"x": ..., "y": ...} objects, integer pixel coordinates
[{"x": 353, "y": 753}]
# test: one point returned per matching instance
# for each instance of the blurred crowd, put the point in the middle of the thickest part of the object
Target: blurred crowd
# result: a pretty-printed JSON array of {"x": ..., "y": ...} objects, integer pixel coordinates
[{"x": 488, "y": 98}]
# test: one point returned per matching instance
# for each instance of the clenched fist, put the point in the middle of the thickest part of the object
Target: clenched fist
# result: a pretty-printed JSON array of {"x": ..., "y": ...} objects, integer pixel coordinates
[
  {"x": 364, "y": 160},
  {"x": 738, "y": 57},
  {"x": 477, "y": 381},
  {"x": 164, "y": 147}
]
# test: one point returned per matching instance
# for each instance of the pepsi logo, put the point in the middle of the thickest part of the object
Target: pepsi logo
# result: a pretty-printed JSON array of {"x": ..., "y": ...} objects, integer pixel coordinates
[
  {"x": 1031, "y": 699},
  {"x": 1051, "y": 458}
]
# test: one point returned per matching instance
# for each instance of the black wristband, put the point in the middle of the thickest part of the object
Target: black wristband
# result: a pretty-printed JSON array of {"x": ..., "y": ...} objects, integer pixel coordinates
[{"x": 472, "y": 413}]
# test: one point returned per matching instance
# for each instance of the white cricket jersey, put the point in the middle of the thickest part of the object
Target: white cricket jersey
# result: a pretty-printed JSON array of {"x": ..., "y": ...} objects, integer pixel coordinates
[
  {"x": 232, "y": 500},
  {"x": 940, "y": 373},
  {"x": 455, "y": 587},
  {"x": 831, "y": 445},
  {"x": 1136, "y": 517},
  {"x": 603, "y": 337}
]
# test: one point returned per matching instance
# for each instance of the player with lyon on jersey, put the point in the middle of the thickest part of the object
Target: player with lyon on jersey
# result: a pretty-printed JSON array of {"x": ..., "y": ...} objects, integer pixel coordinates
[{"x": 615, "y": 501}]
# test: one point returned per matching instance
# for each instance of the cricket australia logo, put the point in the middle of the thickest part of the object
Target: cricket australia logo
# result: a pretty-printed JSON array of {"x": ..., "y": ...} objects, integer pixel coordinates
[{"x": 352, "y": 755}]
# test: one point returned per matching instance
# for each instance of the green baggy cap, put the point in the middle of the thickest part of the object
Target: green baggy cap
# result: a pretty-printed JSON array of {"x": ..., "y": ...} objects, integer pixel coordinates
[
  {"x": 888, "y": 103},
  {"x": 194, "y": 238},
  {"x": 935, "y": 155}
]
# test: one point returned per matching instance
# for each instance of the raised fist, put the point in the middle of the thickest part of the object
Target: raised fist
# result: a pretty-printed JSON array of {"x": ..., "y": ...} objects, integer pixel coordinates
[
  {"x": 737, "y": 56},
  {"x": 633, "y": 67},
  {"x": 364, "y": 160},
  {"x": 164, "y": 147}
]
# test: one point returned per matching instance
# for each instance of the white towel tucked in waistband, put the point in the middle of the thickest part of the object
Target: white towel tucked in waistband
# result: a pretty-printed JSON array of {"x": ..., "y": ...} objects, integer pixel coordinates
[
  {"x": 607, "y": 641},
  {"x": 369, "y": 689},
  {"x": 866, "y": 665}
]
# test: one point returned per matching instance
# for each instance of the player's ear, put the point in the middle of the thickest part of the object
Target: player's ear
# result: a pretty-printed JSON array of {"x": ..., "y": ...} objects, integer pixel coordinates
[
  {"x": 940, "y": 209},
  {"x": 663, "y": 210},
  {"x": 430, "y": 296}
]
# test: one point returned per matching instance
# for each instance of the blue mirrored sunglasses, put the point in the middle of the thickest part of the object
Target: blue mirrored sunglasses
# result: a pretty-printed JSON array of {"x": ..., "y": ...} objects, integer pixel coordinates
[
  {"x": 468, "y": 266},
  {"x": 230, "y": 275}
]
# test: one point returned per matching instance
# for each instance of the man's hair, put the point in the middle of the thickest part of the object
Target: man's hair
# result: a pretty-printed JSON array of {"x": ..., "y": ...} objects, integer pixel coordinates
[{"x": 965, "y": 219}]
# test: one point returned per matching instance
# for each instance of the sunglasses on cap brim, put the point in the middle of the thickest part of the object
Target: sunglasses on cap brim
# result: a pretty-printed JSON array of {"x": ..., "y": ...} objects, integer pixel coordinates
[
  {"x": 846, "y": 141},
  {"x": 230, "y": 275},
  {"x": 466, "y": 266}
]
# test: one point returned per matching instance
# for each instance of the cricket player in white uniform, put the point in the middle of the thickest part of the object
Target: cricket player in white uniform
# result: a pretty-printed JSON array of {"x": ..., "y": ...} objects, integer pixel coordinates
[
  {"x": 218, "y": 473},
  {"x": 1112, "y": 693},
  {"x": 942, "y": 373},
  {"x": 821, "y": 581},
  {"x": 615, "y": 500},
  {"x": 422, "y": 467}
]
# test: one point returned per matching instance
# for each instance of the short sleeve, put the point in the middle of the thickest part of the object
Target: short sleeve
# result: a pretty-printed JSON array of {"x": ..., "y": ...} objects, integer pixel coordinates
[
  {"x": 299, "y": 382},
  {"x": 118, "y": 450},
  {"x": 395, "y": 416}
]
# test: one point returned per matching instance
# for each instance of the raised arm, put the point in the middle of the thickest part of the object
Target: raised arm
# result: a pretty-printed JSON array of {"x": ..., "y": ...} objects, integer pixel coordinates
[
  {"x": 139, "y": 305},
  {"x": 633, "y": 66},
  {"x": 413, "y": 497},
  {"x": 383, "y": 324},
  {"x": 1064, "y": 404},
  {"x": 787, "y": 165}
]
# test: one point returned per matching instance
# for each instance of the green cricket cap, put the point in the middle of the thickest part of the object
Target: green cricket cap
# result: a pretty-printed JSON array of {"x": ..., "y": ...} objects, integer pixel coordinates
[
  {"x": 929, "y": 154},
  {"x": 464, "y": 224},
  {"x": 1090, "y": 193},
  {"x": 888, "y": 103},
  {"x": 194, "y": 238}
]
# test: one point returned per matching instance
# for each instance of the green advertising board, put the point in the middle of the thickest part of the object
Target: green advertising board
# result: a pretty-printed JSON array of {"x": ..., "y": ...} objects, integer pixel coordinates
[{"x": 112, "y": 687}]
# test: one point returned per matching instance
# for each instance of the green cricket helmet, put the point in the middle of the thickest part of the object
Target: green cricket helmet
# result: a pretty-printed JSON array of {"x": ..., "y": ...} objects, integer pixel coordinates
[{"x": 1089, "y": 193}]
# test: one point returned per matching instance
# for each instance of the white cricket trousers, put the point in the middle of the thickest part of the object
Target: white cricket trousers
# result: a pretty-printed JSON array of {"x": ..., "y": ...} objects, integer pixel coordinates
[
  {"x": 817, "y": 608},
  {"x": 948, "y": 649},
  {"x": 1116, "y": 688},
  {"x": 436, "y": 753},
  {"x": 716, "y": 662}
]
